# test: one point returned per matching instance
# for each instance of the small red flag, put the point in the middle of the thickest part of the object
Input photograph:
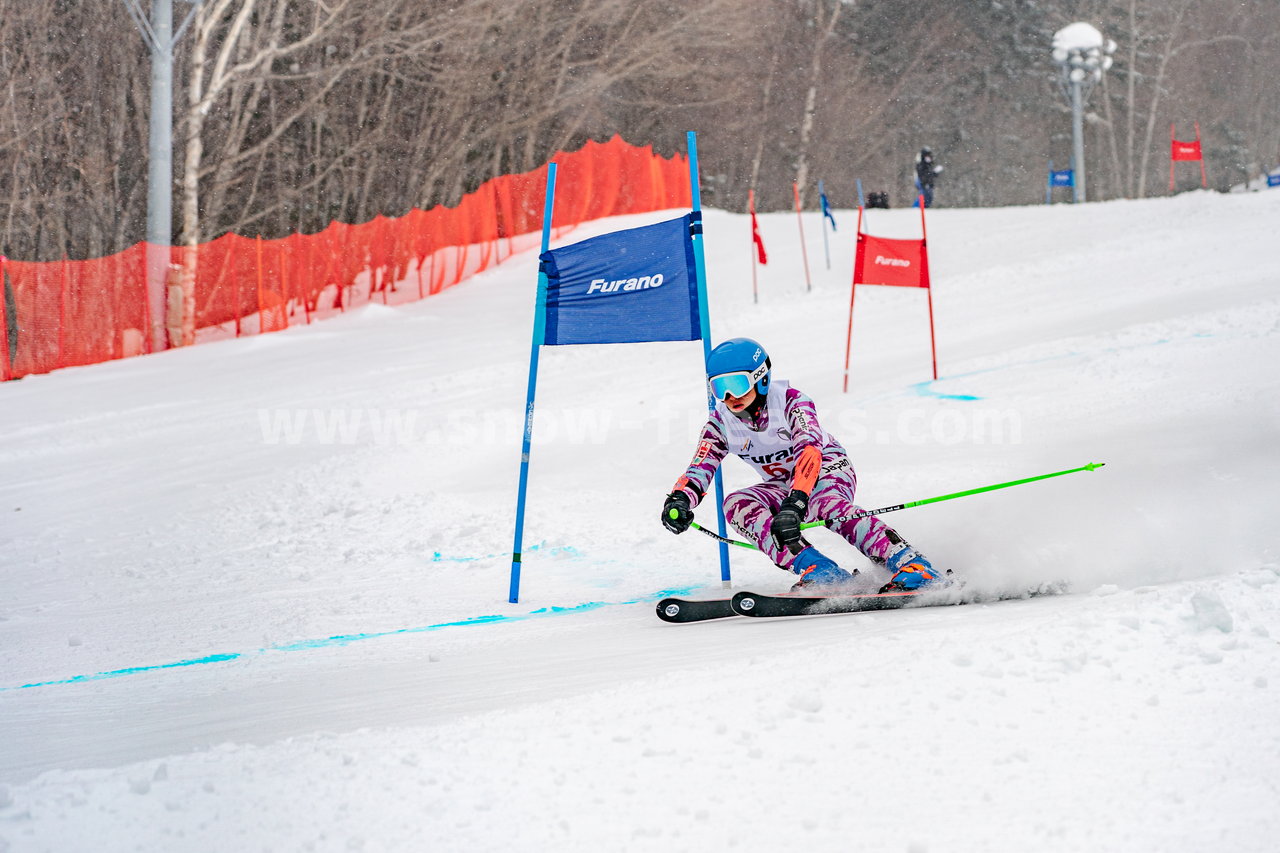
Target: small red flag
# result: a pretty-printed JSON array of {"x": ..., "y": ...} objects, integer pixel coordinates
[{"x": 755, "y": 235}]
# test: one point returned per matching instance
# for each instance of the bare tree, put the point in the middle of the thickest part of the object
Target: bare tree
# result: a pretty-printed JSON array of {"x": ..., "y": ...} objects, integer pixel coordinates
[
  {"x": 236, "y": 44},
  {"x": 73, "y": 172},
  {"x": 299, "y": 112},
  {"x": 826, "y": 14}
]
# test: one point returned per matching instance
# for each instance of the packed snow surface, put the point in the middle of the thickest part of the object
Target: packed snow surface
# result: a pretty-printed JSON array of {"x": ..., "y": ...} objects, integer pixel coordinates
[{"x": 255, "y": 591}]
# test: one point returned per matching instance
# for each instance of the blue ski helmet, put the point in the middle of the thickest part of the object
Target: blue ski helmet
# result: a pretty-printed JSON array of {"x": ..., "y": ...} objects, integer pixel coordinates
[{"x": 736, "y": 366}]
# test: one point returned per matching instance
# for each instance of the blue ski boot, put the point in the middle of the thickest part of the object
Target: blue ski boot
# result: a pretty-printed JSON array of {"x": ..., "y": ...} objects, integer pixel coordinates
[
  {"x": 911, "y": 571},
  {"x": 817, "y": 571}
]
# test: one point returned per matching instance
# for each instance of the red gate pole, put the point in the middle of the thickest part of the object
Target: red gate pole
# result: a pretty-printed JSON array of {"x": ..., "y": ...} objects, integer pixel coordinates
[
  {"x": 262, "y": 324},
  {"x": 148, "y": 339},
  {"x": 308, "y": 283},
  {"x": 62, "y": 313},
  {"x": 751, "y": 208},
  {"x": 285, "y": 296},
  {"x": 230, "y": 261},
  {"x": 5, "y": 368},
  {"x": 1204, "y": 178},
  {"x": 1172, "y": 142},
  {"x": 853, "y": 289},
  {"x": 928, "y": 286}
]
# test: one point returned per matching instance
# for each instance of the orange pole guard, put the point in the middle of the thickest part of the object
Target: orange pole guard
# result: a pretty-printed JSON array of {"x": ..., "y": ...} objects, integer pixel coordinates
[{"x": 804, "y": 253}]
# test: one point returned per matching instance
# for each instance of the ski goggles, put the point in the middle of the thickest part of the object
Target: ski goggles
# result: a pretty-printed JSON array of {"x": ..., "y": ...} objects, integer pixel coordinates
[{"x": 736, "y": 384}]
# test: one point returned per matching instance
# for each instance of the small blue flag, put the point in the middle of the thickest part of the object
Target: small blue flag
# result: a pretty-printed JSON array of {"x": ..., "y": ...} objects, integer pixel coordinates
[
  {"x": 630, "y": 286},
  {"x": 1273, "y": 180},
  {"x": 1062, "y": 178},
  {"x": 826, "y": 211}
]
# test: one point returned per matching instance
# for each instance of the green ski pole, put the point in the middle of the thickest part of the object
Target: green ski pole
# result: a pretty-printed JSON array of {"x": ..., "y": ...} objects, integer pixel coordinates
[{"x": 1092, "y": 466}]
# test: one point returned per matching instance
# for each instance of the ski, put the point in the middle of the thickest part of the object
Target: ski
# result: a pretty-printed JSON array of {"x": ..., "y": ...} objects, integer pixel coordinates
[
  {"x": 687, "y": 610},
  {"x": 766, "y": 605}
]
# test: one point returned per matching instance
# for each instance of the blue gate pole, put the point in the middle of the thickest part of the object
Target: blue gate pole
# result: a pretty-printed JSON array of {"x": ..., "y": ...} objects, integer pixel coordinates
[
  {"x": 539, "y": 334},
  {"x": 822, "y": 193},
  {"x": 704, "y": 323}
]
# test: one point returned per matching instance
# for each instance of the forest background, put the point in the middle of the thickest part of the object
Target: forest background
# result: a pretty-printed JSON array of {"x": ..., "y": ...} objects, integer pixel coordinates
[{"x": 291, "y": 113}]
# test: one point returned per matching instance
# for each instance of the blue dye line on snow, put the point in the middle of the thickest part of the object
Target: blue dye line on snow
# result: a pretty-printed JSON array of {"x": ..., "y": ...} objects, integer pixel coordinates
[
  {"x": 440, "y": 557},
  {"x": 132, "y": 670},
  {"x": 347, "y": 639},
  {"x": 925, "y": 389},
  {"x": 922, "y": 389}
]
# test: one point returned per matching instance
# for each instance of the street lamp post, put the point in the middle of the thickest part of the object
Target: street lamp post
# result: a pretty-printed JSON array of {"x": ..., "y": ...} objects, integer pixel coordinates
[
  {"x": 1082, "y": 55},
  {"x": 157, "y": 32},
  {"x": 160, "y": 168}
]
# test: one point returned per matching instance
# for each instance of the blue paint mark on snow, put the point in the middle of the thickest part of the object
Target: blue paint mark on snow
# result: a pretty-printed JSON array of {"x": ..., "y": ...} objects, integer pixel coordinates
[
  {"x": 132, "y": 670},
  {"x": 923, "y": 389},
  {"x": 926, "y": 389},
  {"x": 440, "y": 557},
  {"x": 347, "y": 639}
]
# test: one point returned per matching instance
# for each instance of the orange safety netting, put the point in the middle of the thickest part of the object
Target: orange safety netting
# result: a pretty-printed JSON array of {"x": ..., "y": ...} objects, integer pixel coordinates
[{"x": 65, "y": 313}]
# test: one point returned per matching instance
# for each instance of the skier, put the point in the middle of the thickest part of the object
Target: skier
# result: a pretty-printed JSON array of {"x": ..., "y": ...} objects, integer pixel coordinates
[
  {"x": 807, "y": 475},
  {"x": 926, "y": 172}
]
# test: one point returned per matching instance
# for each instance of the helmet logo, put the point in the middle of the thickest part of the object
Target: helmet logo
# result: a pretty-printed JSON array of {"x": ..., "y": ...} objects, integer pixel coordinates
[{"x": 759, "y": 352}]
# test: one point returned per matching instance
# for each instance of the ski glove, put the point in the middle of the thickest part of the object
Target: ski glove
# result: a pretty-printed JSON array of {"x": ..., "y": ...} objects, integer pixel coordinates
[
  {"x": 785, "y": 528},
  {"x": 676, "y": 515}
]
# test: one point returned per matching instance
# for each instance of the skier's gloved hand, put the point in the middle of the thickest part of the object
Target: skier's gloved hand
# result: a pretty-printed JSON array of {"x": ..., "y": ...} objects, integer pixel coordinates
[
  {"x": 785, "y": 528},
  {"x": 676, "y": 515}
]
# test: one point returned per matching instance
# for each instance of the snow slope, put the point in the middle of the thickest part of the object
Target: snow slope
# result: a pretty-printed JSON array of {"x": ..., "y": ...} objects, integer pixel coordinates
[{"x": 255, "y": 591}]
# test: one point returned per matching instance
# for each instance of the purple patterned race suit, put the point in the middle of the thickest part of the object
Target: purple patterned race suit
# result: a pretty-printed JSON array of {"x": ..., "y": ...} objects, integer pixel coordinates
[{"x": 771, "y": 443}]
